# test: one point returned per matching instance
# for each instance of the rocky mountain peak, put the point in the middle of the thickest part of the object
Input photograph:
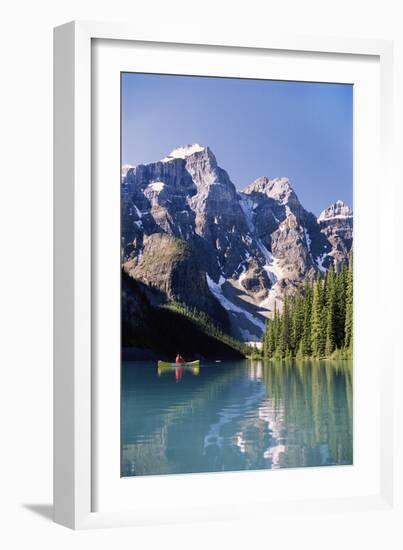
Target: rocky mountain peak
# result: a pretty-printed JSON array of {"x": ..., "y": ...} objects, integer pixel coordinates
[
  {"x": 184, "y": 152},
  {"x": 278, "y": 189},
  {"x": 339, "y": 209},
  {"x": 125, "y": 169},
  {"x": 188, "y": 232},
  {"x": 197, "y": 161}
]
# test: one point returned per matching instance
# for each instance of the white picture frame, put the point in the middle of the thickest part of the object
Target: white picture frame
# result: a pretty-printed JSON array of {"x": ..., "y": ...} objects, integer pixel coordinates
[{"x": 80, "y": 430}]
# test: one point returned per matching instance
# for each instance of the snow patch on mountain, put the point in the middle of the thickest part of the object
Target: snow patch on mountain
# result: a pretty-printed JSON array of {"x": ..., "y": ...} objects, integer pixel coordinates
[
  {"x": 319, "y": 262},
  {"x": 217, "y": 291},
  {"x": 274, "y": 271},
  {"x": 183, "y": 152},
  {"x": 156, "y": 186},
  {"x": 337, "y": 217},
  {"x": 273, "y": 298},
  {"x": 307, "y": 239},
  {"x": 247, "y": 207},
  {"x": 337, "y": 210},
  {"x": 272, "y": 266},
  {"x": 139, "y": 214}
]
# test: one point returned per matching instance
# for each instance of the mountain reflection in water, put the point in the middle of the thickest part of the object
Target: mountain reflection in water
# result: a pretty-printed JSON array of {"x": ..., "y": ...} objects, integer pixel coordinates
[{"x": 235, "y": 415}]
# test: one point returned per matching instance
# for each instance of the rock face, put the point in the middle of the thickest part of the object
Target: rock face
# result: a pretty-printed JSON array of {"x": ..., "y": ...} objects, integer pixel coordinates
[
  {"x": 336, "y": 223},
  {"x": 284, "y": 227},
  {"x": 187, "y": 232},
  {"x": 150, "y": 332},
  {"x": 178, "y": 270}
]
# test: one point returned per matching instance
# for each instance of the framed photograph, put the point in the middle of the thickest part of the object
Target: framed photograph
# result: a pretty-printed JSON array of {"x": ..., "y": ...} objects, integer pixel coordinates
[{"x": 219, "y": 236}]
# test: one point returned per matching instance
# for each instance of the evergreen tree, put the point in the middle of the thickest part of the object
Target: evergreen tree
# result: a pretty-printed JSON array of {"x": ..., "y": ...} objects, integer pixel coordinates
[
  {"x": 269, "y": 340},
  {"x": 330, "y": 311},
  {"x": 348, "y": 327},
  {"x": 340, "y": 306},
  {"x": 305, "y": 349},
  {"x": 316, "y": 320},
  {"x": 317, "y": 330},
  {"x": 276, "y": 329},
  {"x": 283, "y": 331},
  {"x": 297, "y": 321}
]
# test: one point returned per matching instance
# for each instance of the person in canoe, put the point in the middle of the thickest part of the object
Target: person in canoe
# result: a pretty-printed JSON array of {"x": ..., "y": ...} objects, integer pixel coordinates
[{"x": 179, "y": 359}]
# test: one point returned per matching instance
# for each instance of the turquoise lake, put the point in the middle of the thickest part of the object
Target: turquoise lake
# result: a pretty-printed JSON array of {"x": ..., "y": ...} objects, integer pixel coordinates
[{"x": 235, "y": 415}]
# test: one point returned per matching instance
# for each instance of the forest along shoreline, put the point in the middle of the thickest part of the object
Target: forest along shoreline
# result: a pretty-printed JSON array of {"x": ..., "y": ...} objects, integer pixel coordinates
[{"x": 316, "y": 322}]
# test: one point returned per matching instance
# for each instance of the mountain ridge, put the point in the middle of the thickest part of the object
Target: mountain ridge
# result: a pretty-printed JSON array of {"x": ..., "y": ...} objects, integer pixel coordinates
[{"x": 248, "y": 246}]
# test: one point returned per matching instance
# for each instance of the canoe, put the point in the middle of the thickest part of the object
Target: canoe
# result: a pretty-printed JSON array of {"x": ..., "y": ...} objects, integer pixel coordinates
[{"x": 165, "y": 364}]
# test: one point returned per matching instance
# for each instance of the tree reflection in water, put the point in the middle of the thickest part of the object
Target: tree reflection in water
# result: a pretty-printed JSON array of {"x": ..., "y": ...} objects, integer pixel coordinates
[{"x": 236, "y": 416}]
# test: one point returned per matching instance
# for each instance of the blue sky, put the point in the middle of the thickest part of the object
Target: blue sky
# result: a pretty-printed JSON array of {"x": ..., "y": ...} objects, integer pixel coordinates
[{"x": 254, "y": 127}]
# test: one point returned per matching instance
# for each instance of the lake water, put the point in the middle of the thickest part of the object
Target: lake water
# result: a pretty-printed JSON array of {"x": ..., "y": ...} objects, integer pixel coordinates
[{"x": 235, "y": 415}]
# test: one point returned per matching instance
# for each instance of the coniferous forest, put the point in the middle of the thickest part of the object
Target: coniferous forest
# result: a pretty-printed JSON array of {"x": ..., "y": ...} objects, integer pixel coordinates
[{"x": 316, "y": 321}]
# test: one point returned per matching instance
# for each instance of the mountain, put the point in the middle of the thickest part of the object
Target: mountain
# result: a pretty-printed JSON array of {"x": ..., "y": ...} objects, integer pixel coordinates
[
  {"x": 188, "y": 232},
  {"x": 336, "y": 223}
]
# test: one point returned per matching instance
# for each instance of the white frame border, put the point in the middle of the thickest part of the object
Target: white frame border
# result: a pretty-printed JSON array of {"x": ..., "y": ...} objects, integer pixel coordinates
[{"x": 72, "y": 201}]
